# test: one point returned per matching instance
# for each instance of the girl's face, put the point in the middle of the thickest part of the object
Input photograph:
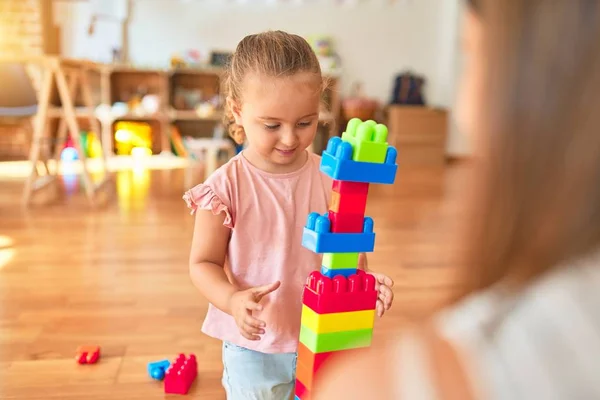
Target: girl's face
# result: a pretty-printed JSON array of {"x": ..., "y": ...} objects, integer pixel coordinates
[
  {"x": 280, "y": 117},
  {"x": 470, "y": 94}
]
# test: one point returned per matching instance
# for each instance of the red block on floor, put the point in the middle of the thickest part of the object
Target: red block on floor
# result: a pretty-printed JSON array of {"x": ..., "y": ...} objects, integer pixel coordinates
[
  {"x": 346, "y": 223},
  {"x": 87, "y": 354},
  {"x": 181, "y": 374}
]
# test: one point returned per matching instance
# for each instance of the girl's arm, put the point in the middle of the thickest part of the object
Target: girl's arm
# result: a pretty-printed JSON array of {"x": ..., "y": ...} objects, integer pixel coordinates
[{"x": 207, "y": 258}]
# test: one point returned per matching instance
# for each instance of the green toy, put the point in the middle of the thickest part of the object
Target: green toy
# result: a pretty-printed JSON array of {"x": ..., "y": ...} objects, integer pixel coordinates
[{"x": 368, "y": 140}]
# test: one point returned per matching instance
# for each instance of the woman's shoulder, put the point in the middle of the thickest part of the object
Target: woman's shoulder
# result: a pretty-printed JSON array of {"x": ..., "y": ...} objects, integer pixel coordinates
[{"x": 552, "y": 322}]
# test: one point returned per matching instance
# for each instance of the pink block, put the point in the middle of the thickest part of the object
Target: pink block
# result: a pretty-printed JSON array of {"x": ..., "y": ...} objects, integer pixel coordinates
[{"x": 181, "y": 374}]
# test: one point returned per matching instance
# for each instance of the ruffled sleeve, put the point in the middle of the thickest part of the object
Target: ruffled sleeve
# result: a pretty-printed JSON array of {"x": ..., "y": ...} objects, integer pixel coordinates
[{"x": 204, "y": 198}]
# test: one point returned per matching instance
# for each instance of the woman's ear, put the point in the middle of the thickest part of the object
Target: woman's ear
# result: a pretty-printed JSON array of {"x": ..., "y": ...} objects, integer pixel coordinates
[{"x": 235, "y": 110}]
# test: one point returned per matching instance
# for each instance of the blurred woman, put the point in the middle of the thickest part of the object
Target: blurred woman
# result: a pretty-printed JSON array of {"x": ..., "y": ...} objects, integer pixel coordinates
[{"x": 526, "y": 324}]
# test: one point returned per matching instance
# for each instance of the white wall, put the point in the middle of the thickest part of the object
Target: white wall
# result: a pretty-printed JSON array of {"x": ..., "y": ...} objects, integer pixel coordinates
[{"x": 375, "y": 39}]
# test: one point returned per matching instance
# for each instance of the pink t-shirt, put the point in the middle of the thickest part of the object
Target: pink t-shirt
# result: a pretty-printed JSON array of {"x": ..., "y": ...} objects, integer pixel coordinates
[{"x": 266, "y": 213}]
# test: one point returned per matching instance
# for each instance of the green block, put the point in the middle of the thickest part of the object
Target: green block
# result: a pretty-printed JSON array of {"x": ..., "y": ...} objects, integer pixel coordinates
[
  {"x": 368, "y": 140},
  {"x": 335, "y": 341},
  {"x": 340, "y": 260}
]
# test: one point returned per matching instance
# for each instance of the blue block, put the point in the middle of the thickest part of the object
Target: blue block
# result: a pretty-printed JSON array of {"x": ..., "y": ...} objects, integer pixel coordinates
[
  {"x": 157, "y": 369},
  {"x": 337, "y": 163},
  {"x": 331, "y": 273},
  {"x": 317, "y": 237},
  {"x": 296, "y": 397}
]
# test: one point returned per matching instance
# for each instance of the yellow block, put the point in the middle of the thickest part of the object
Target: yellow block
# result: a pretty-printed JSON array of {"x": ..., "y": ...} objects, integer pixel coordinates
[{"x": 337, "y": 322}]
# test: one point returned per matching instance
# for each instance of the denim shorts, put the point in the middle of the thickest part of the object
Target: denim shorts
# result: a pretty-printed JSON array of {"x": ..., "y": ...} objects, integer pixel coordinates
[{"x": 252, "y": 375}]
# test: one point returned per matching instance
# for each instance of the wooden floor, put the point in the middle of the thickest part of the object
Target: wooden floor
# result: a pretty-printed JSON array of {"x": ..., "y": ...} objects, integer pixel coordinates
[{"x": 117, "y": 277}]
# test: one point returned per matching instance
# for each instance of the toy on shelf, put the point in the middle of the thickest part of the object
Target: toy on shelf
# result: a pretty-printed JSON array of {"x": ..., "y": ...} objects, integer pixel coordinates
[
  {"x": 339, "y": 301},
  {"x": 181, "y": 374},
  {"x": 87, "y": 354},
  {"x": 131, "y": 135},
  {"x": 69, "y": 153},
  {"x": 157, "y": 369},
  {"x": 323, "y": 47}
]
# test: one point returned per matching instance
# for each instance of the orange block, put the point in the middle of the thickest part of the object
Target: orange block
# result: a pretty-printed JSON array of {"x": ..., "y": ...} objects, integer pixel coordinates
[
  {"x": 311, "y": 360},
  {"x": 305, "y": 375}
]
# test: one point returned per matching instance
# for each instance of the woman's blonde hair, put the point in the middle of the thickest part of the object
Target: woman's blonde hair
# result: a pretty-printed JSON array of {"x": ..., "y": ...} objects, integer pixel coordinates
[{"x": 271, "y": 53}]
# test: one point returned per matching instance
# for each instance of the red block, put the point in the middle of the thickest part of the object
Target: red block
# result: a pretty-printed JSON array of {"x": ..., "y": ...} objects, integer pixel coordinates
[
  {"x": 87, "y": 354},
  {"x": 348, "y": 203},
  {"x": 301, "y": 391},
  {"x": 346, "y": 187},
  {"x": 181, "y": 374},
  {"x": 346, "y": 223},
  {"x": 325, "y": 295},
  {"x": 308, "y": 368}
]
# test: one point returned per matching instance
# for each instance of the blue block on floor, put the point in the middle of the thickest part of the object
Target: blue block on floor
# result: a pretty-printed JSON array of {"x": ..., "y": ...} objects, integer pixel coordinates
[
  {"x": 331, "y": 273},
  {"x": 317, "y": 237},
  {"x": 157, "y": 369},
  {"x": 337, "y": 163}
]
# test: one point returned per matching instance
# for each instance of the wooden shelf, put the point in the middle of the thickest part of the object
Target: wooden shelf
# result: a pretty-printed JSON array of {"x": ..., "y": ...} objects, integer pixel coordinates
[
  {"x": 178, "y": 92},
  {"x": 192, "y": 115}
]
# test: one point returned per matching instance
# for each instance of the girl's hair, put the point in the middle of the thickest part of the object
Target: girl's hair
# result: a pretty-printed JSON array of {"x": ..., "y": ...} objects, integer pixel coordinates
[
  {"x": 272, "y": 53},
  {"x": 537, "y": 187}
]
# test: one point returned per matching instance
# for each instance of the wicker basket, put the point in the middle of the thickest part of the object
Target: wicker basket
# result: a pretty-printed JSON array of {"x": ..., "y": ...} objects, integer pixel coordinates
[{"x": 357, "y": 105}]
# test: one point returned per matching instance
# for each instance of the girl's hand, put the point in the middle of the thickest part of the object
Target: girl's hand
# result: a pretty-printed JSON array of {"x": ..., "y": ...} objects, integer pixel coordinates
[
  {"x": 384, "y": 286},
  {"x": 243, "y": 302}
]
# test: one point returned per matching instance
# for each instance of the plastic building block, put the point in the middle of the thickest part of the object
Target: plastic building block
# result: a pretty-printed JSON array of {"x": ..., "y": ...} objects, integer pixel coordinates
[
  {"x": 348, "y": 203},
  {"x": 312, "y": 360},
  {"x": 181, "y": 374},
  {"x": 335, "y": 341},
  {"x": 308, "y": 365},
  {"x": 325, "y": 295},
  {"x": 318, "y": 238},
  {"x": 157, "y": 369},
  {"x": 352, "y": 188},
  {"x": 337, "y": 163},
  {"x": 87, "y": 354},
  {"x": 300, "y": 391},
  {"x": 332, "y": 273},
  {"x": 340, "y": 260},
  {"x": 368, "y": 140},
  {"x": 306, "y": 376},
  {"x": 337, "y": 322},
  {"x": 346, "y": 223}
]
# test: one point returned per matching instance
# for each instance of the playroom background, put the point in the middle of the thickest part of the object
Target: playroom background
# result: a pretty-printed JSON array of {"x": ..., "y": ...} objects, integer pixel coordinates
[{"x": 94, "y": 238}]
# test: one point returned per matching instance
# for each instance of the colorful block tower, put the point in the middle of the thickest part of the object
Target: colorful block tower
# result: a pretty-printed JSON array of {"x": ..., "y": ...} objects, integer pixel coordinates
[{"x": 338, "y": 302}]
